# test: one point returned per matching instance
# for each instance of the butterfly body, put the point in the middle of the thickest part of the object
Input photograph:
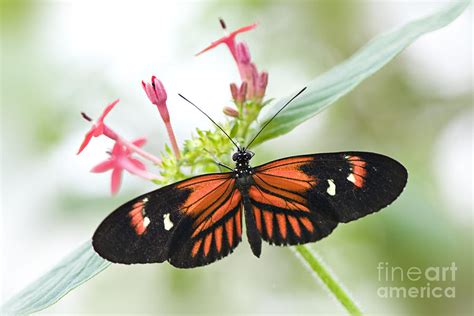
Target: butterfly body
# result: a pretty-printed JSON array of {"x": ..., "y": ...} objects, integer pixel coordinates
[{"x": 290, "y": 201}]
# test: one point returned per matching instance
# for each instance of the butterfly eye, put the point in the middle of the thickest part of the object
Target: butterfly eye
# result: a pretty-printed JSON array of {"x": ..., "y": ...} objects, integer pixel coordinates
[{"x": 235, "y": 156}]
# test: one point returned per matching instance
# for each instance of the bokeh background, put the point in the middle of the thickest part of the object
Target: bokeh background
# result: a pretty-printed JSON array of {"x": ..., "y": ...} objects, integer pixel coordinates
[{"x": 62, "y": 57}]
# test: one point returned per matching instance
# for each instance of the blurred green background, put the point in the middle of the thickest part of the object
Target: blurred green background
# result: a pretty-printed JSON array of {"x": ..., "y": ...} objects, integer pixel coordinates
[{"x": 60, "y": 58}]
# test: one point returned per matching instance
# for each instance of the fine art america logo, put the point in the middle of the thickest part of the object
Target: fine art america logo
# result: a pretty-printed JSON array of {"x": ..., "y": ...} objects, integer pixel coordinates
[{"x": 435, "y": 281}]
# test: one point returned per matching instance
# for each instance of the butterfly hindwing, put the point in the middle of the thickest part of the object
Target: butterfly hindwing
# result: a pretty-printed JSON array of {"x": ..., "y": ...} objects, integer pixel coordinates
[
  {"x": 302, "y": 199},
  {"x": 167, "y": 224},
  {"x": 213, "y": 229},
  {"x": 280, "y": 203}
]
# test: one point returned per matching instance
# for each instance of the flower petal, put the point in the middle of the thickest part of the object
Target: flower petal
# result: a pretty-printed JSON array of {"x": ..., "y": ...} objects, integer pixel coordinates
[
  {"x": 103, "y": 166},
  {"x": 86, "y": 140},
  {"x": 229, "y": 40},
  {"x": 139, "y": 142},
  {"x": 245, "y": 29},
  {"x": 150, "y": 92},
  {"x": 159, "y": 90},
  {"x": 98, "y": 129},
  {"x": 128, "y": 165},
  {"x": 118, "y": 150},
  {"x": 108, "y": 108},
  {"x": 137, "y": 163},
  {"x": 116, "y": 180}
]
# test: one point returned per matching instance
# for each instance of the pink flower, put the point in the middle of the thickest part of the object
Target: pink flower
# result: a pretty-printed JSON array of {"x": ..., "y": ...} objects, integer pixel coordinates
[
  {"x": 229, "y": 40},
  {"x": 98, "y": 128},
  {"x": 256, "y": 82},
  {"x": 120, "y": 159},
  {"x": 157, "y": 94}
]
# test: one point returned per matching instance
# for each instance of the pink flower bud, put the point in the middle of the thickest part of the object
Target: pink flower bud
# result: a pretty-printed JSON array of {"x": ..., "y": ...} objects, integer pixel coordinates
[
  {"x": 157, "y": 94},
  {"x": 243, "y": 53},
  {"x": 251, "y": 77},
  {"x": 231, "y": 111},
  {"x": 261, "y": 84},
  {"x": 234, "y": 91},
  {"x": 242, "y": 92}
]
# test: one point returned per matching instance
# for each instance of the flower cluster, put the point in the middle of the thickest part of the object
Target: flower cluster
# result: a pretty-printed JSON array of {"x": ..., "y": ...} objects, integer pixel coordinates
[
  {"x": 254, "y": 83},
  {"x": 199, "y": 153}
]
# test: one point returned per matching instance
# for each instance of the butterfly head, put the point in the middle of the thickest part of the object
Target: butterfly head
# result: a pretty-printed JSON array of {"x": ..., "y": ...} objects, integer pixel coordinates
[
  {"x": 242, "y": 167},
  {"x": 242, "y": 155}
]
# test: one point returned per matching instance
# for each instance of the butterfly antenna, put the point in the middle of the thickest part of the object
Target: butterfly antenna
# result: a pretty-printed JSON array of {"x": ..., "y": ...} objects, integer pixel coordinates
[
  {"x": 237, "y": 146},
  {"x": 268, "y": 122}
]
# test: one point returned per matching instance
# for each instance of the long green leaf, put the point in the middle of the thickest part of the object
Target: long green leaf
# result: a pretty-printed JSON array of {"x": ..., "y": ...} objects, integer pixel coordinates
[
  {"x": 338, "y": 81},
  {"x": 72, "y": 271}
]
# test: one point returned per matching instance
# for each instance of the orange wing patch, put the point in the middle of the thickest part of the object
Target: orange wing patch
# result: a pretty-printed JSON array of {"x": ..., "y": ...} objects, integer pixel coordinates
[
  {"x": 229, "y": 228},
  {"x": 214, "y": 205},
  {"x": 286, "y": 175},
  {"x": 207, "y": 243},
  {"x": 196, "y": 247},
  {"x": 213, "y": 214},
  {"x": 281, "y": 224},
  {"x": 258, "y": 218},
  {"x": 257, "y": 195},
  {"x": 137, "y": 217},
  {"x": 268, "y": 219},
  {"x": 294, "y": 225},
  {"x": 238, "y": 223},
  {"x": 233, "y": 226},
  {"x": 204, "y": 191},
  {"x": 218, "y": 238},
  {"x": 307, "y": 224},
  {"x": 358, "y": 171},
  {"x": 280, "y": 200},
  {"x": 281, "y": 164},
  {"x": 290, "y": 189}
]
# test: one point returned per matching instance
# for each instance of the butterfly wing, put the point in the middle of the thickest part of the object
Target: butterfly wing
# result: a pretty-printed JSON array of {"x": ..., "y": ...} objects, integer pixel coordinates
[
  {"x": 302, "y": 199},
  {"x": 190, "y": 223}
]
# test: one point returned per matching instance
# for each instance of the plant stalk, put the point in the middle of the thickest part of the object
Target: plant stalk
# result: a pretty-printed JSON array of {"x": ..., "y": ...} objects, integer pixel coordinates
[{"x": 313, "y": 262}]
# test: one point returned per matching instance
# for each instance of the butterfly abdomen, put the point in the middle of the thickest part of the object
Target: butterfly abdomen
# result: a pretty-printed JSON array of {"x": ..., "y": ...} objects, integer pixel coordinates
[{"x": 253, "y": 235}]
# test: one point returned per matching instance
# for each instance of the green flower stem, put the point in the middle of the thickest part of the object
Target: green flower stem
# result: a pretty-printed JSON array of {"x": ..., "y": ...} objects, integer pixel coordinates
[{"x": 311, "y": 260}]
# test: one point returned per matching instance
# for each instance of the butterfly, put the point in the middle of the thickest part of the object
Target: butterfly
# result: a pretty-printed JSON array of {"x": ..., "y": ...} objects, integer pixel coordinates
[{"x": 290, "y": 201}]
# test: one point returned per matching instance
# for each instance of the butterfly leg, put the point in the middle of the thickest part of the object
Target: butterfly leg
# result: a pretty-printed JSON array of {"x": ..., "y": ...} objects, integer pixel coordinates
[{"x": 253, "y": 235}]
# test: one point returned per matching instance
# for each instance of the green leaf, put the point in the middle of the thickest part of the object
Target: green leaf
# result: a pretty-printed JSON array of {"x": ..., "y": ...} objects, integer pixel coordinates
[
  {"x": 338, "y": 81},
  {"x": 72, "y": 271}
]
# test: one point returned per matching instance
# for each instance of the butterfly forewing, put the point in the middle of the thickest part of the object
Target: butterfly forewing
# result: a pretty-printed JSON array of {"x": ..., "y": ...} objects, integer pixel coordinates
[
  {"x": 190, "y": 223},
  {"x": 301, "y": 199}
]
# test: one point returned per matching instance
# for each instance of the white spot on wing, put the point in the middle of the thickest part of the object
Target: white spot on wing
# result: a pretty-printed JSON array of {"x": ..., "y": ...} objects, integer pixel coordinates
[
  {"x": 351, "y": 178},
  {"x": 332, "y": 187},
  {"x": 146, "y": 222},
  {"x": 167, "y": 221}
]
